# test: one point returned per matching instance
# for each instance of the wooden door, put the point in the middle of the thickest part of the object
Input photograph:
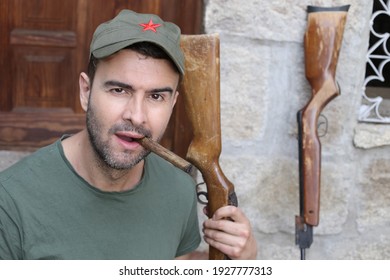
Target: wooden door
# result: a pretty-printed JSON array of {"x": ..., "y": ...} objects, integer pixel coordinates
[{"x": 44, "y": 47}]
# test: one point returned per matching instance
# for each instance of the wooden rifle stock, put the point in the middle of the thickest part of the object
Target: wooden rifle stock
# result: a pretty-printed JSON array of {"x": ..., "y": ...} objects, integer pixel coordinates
[
  {"x": 201, "y": 87},
  {"x": 322, "y": 44},
  {"x": 201, "y": 92}
]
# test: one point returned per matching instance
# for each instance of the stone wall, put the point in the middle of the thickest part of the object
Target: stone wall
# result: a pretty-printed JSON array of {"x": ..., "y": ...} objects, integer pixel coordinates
[{"x": 263, "y": 85}]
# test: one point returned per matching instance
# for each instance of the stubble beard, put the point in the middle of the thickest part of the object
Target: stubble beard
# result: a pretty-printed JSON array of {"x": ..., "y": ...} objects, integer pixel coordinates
[{"x": 104, "y": 152}]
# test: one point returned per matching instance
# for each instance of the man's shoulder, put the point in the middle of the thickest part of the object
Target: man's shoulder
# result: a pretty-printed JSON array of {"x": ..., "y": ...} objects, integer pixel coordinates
[{"x": 35, "y": 161}]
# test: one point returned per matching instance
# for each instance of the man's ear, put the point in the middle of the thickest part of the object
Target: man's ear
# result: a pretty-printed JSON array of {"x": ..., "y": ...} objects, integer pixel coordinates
[
  {"x": 85, "y": 90},
  {"x": 175, "y": 98}
]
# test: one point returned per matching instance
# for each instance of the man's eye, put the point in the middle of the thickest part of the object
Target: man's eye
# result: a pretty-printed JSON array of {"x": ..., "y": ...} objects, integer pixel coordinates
[
  {"x": 118, "y": 90},
  {"x": 157, "y": 96}
]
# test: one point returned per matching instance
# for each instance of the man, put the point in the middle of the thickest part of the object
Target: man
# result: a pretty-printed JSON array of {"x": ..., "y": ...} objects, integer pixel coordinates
[{"x": 99, "y": 194}]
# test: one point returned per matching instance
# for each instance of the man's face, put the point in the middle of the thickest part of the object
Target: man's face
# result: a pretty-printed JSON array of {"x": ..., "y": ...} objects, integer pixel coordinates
[{"x": 131, "y": 96}]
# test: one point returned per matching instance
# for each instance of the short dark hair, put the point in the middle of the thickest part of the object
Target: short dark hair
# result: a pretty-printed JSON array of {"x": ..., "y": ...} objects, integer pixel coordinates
[{"x": 145, "y": 48}]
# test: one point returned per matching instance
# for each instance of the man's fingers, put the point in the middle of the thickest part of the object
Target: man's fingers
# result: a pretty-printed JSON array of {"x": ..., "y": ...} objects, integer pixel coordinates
[
  {"x": 227, "y": 226},
  {"x": 230, "y": 232},
  {"x": 230, "y": 212}
]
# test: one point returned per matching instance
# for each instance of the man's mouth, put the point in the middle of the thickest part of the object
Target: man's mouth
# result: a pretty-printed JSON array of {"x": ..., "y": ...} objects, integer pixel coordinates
[
  {"x": 128, "y": 136},
  {"x": 125, "y": 138}
]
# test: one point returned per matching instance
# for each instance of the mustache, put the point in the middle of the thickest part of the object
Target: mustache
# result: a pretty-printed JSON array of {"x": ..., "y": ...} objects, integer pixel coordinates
[{"x": 129, "y": 127}]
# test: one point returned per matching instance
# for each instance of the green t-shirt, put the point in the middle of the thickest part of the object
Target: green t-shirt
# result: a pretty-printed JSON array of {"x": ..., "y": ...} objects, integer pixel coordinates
[{"x": 47, "y": 211}]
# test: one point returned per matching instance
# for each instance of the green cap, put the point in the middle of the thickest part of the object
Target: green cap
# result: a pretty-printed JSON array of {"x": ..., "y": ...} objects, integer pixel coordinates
[{"x": 129, "y": 27}]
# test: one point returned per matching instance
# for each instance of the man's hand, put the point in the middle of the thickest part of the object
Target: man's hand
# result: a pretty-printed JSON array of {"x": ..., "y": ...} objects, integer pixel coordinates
[{"x": 230, "y": 231}]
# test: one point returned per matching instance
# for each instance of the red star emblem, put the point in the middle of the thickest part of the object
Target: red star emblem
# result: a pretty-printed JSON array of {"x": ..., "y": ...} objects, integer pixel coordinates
[{"x": 150, "y": 26}]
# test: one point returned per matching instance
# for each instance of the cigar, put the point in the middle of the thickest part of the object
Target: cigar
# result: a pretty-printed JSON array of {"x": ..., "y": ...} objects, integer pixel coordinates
[{"x": 166, "y": 154}]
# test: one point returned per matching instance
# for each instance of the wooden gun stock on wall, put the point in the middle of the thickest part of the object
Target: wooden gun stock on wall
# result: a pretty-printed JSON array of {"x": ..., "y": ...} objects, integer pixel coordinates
[
  {"x": 322, "y": 44},
  {"x": 201, "y": 92}
]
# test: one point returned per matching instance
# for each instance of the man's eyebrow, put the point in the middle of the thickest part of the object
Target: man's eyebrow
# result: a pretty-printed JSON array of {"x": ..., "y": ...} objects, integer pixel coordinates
[
  {"x": 164, "y": 89},
  {"x": 113, "y": 83}
]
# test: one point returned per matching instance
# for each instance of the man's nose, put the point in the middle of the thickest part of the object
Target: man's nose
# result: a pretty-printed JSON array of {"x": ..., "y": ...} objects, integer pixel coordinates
[{"x": 135, "y": 111}]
